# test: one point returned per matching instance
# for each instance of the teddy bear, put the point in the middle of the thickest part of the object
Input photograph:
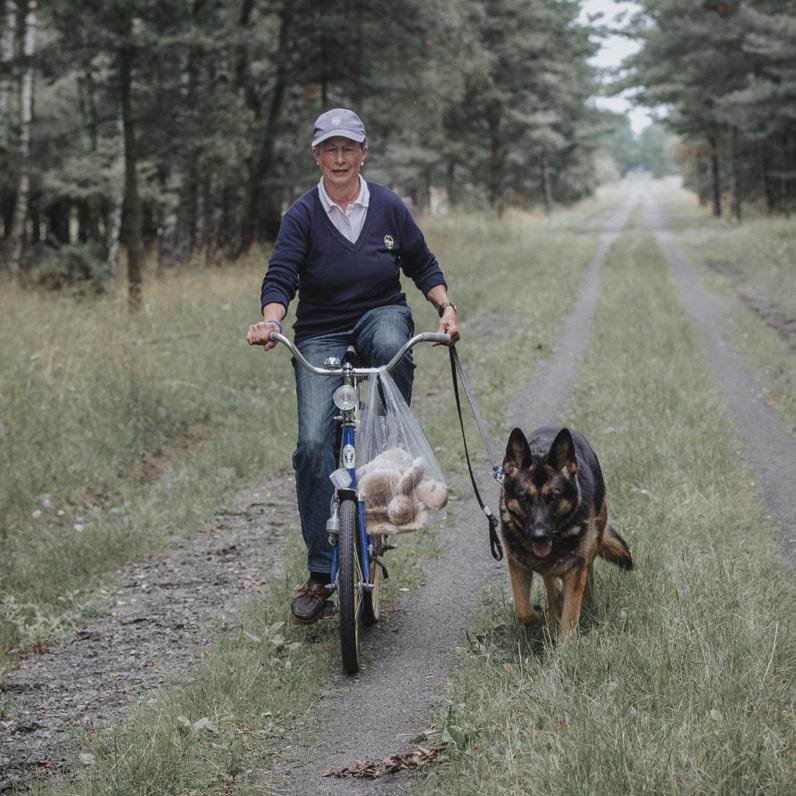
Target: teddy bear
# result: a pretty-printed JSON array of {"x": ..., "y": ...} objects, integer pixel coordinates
[{"x": 396, "y": 489}]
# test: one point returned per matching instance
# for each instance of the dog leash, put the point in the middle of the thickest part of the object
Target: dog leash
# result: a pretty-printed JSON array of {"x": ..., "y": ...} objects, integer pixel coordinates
[{"x": 497, "y": 470}]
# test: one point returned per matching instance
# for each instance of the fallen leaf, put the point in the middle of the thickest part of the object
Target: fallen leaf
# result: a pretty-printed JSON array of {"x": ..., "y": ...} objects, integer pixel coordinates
[
  {"x": 204, "y": 724},
  {"x": 392, "y": 764}
]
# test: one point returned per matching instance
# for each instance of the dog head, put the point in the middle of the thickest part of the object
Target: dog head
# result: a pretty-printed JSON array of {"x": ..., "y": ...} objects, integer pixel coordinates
[{"x": 540, "y": 493}]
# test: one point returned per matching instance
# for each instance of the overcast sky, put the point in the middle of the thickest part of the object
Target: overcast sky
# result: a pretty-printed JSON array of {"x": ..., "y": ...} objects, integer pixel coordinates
[{"x": 613, "y": 50}]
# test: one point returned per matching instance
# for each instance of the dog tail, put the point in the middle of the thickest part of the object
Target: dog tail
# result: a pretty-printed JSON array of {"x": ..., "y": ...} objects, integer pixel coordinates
[{"x": 613, "y": 548}]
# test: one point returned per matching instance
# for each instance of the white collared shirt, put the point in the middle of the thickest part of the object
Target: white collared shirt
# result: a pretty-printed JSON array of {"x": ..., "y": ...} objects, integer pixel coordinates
[{"x": 348, "y": 222}]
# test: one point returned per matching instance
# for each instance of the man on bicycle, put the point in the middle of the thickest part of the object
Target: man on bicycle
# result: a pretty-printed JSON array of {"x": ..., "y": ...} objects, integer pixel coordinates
[{"x": 342, "y": 246}]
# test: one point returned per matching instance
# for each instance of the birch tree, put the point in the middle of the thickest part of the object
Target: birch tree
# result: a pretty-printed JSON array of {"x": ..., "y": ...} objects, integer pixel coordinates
[
  {"x": 7, "y": 33},
  {"x": 25, "y": 118}
]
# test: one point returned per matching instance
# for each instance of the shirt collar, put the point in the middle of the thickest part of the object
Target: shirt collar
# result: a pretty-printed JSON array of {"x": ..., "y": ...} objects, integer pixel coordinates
[{"x": 363, "y": 198}]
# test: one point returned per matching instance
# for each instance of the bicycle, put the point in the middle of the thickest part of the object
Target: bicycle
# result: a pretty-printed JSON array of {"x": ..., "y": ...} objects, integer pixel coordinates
[{"x": 356, "y": 556}]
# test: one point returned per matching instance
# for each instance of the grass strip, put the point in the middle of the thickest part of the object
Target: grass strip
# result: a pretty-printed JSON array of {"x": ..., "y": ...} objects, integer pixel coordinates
[{"x": 681, "y": 680}]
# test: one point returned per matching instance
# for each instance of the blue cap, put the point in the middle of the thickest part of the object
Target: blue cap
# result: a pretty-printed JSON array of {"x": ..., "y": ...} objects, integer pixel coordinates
[{"x": 338, "y": 121}]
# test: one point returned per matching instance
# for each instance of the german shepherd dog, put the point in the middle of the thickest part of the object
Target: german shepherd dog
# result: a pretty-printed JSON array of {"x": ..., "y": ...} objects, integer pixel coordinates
[{"x": 554, "y": 522}]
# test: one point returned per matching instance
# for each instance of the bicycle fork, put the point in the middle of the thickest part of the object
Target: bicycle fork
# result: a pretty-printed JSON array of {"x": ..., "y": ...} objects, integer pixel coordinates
[{"x": 348, "y": 462}]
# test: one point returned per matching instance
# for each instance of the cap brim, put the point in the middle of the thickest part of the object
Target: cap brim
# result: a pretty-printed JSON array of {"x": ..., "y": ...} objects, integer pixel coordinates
[{"x": 358, "y": 137}]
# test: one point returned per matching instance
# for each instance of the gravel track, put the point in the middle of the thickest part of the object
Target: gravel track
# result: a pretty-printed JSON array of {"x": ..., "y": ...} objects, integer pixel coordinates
[
  {"x": 409, "y": 653},
  {"x": 768, "y": 449},
  {"x": 156, "y": 620}
]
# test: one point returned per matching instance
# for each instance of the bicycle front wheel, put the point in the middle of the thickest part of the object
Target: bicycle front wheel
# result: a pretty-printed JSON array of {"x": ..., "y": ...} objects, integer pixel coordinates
[{"x": 349, "y": 586}]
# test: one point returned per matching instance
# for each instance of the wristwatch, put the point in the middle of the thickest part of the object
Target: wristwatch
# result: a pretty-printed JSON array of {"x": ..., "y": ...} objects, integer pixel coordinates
[{"x": 442, "y": 307}]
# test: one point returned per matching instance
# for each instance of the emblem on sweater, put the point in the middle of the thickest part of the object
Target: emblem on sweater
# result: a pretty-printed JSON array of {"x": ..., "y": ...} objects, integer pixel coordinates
[{"x": 388, "y": 241}]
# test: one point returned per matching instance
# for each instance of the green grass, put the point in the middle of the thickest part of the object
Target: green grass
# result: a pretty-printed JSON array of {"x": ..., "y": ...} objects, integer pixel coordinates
[
  {"x": 681, "y": 680},
  {"x": 238, "y": 405}
]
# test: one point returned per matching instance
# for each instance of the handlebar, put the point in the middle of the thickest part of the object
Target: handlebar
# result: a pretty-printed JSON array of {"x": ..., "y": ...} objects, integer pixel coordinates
[{"x": 423, "y": 337}]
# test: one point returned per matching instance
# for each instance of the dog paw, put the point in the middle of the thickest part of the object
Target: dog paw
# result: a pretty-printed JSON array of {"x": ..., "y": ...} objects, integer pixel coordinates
[{"x": 531, "y": 616}]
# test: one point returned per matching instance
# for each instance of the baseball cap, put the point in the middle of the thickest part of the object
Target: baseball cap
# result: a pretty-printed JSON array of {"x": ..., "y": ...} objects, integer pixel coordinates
[{"x": 338, "y": 121}]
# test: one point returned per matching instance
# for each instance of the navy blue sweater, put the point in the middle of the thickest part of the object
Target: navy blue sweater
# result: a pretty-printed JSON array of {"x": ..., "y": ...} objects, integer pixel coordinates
[{"x": 339, "y": 281}]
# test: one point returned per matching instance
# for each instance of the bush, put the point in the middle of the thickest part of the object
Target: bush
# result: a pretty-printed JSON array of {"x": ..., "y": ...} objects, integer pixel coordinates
[{"x": 81, "y": 265}]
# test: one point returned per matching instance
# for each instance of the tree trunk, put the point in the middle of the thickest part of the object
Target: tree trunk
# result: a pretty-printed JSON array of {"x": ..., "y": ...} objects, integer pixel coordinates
[
  {"x": 242, "y": 78},
  {"x": 113, "y": 220},
  {"x": 735, "y": 201},
  {"x": 6, "y": 57},
  {"x": 715, "y": 185},
  {"x": 35, "y": 223},
  {"x": 263, "y": 165},
  {"x": 26, "y": 115},
  {"x": 359, "y": 64},
  {"x": 132, "y": 202},
  {"x": 547, "y": 190},
  {"x": 765, "y": 179},
  {"x": 58, "y": 222},
  {"x": 495, "y": 161}
]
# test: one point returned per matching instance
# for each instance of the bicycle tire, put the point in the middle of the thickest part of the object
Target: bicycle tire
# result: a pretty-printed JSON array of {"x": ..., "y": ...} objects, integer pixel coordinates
[
  {"x": 372, "y": 598},
  {"x": 349, "y": 593}
]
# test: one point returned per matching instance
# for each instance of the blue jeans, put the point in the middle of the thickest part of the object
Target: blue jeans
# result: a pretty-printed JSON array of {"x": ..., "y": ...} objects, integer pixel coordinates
[{"x": 377, "y": 336}]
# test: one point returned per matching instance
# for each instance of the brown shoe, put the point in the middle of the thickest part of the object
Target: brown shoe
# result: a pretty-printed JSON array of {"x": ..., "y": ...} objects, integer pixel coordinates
[{"x": 311, "y": 603}]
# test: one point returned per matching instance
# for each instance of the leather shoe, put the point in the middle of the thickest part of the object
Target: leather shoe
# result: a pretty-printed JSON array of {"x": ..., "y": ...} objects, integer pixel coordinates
[{"x": 311, "y": 603}]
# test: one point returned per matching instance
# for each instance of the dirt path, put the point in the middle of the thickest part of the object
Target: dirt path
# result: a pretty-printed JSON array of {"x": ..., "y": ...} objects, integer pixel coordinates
[
  {"x": 408, "y": 655},
  {"x": 154, "y": 624},
  {"x": 767, "y": 448}
]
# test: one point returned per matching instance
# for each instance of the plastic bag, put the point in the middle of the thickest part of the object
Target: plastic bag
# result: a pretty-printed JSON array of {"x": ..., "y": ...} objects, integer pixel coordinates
[{"x": 398, "y": 475}]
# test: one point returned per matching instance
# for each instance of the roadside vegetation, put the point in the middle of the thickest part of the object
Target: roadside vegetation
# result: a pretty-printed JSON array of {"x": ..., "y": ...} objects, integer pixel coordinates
[
  {"x": 681, "y": 680},
  {"x": 138, "y": 429}
]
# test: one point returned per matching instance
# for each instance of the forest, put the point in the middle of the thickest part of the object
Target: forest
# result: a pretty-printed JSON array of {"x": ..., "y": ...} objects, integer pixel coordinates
[{"x": 180, "y": 128}]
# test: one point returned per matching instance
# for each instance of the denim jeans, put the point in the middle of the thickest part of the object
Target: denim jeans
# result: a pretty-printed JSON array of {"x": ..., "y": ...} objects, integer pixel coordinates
[{"x": 377, "y": 336}]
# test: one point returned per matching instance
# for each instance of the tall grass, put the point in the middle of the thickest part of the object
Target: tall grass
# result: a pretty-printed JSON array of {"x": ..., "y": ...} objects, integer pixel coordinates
[
  {"x": 681, "y": 680},
  {"x": 119, "y": 432}
]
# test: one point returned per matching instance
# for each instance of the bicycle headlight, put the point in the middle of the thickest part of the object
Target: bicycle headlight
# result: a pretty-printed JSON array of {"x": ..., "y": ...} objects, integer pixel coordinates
[{"x": 345, "y": 397}]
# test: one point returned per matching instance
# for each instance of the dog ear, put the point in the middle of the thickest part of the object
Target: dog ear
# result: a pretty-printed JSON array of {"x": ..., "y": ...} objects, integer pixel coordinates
[
  {"x": 562, "y": 453},
  {"x": 518, "y": 452}
]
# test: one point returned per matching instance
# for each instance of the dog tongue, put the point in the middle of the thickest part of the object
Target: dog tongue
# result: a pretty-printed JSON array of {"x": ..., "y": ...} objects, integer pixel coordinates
[{"x": 542, "y": 549}]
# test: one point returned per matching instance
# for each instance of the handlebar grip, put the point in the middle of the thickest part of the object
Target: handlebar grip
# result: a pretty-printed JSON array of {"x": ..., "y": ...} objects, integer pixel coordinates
[{"x": 438, "y": 337}]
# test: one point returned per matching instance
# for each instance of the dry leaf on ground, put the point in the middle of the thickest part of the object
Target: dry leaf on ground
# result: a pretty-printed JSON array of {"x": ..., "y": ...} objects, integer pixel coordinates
[{"x": 392, "y": 764}]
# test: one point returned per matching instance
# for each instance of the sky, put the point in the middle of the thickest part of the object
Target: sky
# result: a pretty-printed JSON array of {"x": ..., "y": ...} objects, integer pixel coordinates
[{"x": 613, "y": 50}]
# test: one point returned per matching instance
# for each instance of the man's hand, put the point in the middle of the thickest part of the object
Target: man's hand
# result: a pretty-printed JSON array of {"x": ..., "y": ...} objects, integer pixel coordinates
[
  {"x": 259, "y": 332},
  {"x": 449, "y": 325}
]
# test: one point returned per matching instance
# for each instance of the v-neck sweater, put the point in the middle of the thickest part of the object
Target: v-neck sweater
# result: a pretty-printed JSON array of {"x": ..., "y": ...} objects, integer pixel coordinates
[{"x": 338, "y": 281}]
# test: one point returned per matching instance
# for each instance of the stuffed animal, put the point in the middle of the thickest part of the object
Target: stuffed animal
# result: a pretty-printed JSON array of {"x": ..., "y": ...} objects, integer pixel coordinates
[
  {"x": 431, "y": 494},
  {"x": 396, "y": 490}
]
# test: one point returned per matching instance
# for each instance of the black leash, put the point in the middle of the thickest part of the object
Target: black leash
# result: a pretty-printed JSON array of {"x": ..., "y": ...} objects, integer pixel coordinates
[{"x": 497, "y": 470}]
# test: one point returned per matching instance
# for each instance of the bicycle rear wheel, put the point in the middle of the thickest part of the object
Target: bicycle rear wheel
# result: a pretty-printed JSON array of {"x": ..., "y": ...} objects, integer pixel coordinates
[
  {"x": 372, "y": 597},
  {"x": 349, "y": 586}
]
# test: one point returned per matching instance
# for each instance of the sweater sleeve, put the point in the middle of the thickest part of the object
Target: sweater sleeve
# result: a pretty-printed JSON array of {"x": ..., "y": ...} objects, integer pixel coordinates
[
  {"x": 418, "y": 261},
  {"x": 281, "y": 280}
]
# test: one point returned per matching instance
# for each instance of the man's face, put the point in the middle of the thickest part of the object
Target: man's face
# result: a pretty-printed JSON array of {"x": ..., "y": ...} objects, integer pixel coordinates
[{"x": 340, "y": 160}]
